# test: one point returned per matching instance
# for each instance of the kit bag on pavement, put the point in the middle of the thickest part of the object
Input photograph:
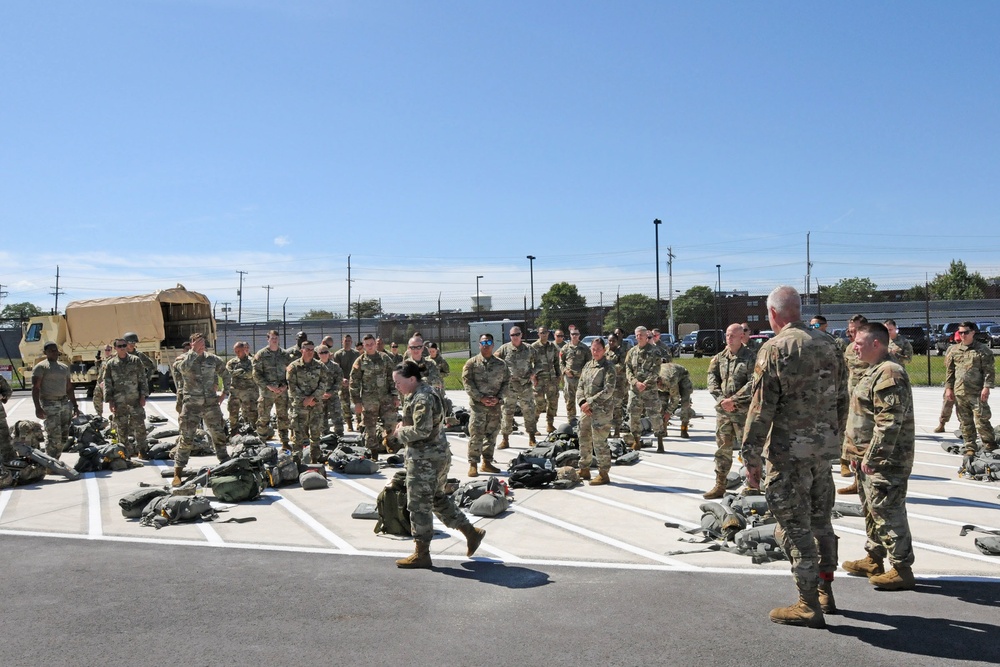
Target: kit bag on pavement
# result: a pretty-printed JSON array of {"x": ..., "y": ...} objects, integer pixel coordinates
[
  {"x": 393, "y": 516},
  {"x": 134, "y": 502},
  {"x": 238, "y": 480},
  {"x": 165, "y": 510}
]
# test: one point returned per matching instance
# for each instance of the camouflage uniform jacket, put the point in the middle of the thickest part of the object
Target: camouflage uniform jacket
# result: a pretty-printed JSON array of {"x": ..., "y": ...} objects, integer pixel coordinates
[
  {"x": 642, "y": 364},
  {"x": 125, "y": 380},
  {"x": 597, "y": 385},
  {"x": 969, "y": 369},
  {"x": 175, "y": 372},
  {"x": 201, "y": 373},
  {"x": 617, "y": 357},
  {"x": 484, "y": 377},
  {"x": 345, "y": 358},
  {"x": 881, "y": 418},
  {"x": 546, "y": 360},
  {"x": 520, "y": 360},
  {"x": 371, "y": 378},
  {"x": 421, "y": 430},
  {"x": 573, "y": 358},
  {"x": 306, "y": 379},
  {"x": 432, "y": 376},
  {"x": 900, "y": 350},
  {"x": 855, "y": 367},
  {"x": 675, "y": 381},
  {"x": 294, "y": 352},
  {"x": 729, "y": 375},
  {"x": 664, "y": 351},
  {"x": 442, "y": 364},
  {"x": 269, "y": 367},
  {"x": 147, "y": 363},
  {"x": 799, "y": 404},
  {"x": 241, "y": 371},
  {"x": 335, "y": 376}
]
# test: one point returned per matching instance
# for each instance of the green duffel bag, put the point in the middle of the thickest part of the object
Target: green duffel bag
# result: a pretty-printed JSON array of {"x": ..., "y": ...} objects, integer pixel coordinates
[
  {"x": 238, "y": 480},
  {"x": 134, "y": 502}
]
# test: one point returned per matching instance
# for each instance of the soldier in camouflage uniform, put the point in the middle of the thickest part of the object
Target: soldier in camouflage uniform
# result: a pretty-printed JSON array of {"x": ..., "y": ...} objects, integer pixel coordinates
[
  {"x": 595, "y": 394},
  {"x": 546, "y": 380},
  {"x": 246, "y": 393},
  {"x": 98, "y": 398},
  {"x": 332, "y": 412},
  {"x": 850, "y": 452},
  {"x": 642, "y": 368},
  {"x": 798, "y": 411},
  {"x": 308, "y": 381},
  {"x": 201, "y": 372},
  {"x": 675, "y": 388},
  {"x": 900, "y": 348},
  {"x": 572, "y": 358},
  {"x": 269, "y": 366},
  {"x": 132, "y": 339},
  {"x": 729, "y": 375},
  {"x": 521, "y": 362},
  {"x": 661, "y": 345},
  {"x": 427, "y": 460},
  {"x": 295, "y": 351},
  {"x": 55, "y": 402},
  {"x": 881, "y": 418},
  {"x": 345, "y": 358},
  {"x": 485, "y": 379},
  {"x": 126, "y": 387},
  {"x": 6, "y": 446},
  {"x": 175, "y": 373},
  {"x": 970, "y": 370},
  {"x": 435, "y": 355},
  {"x": 373, "y": 394}
]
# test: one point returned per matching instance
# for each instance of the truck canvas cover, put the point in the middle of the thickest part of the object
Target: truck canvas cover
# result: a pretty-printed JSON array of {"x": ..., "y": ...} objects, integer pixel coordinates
[{"x": 89, "y": 321}]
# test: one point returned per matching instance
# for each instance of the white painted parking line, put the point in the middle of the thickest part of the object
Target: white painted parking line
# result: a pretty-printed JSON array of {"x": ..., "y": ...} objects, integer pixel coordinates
[
  {"x": 210, "y": 535},
  {"x": 4, "y": 499},
  {"x": 311, "y": 523},
  {"x": 634, "y": 509},
  {"x": 929, "y": 547}
]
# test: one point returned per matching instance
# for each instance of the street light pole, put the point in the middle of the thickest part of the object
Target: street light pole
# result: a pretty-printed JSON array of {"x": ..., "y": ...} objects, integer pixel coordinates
[
  {"x": 656, "y": 229},
  {"x": 479, "y": 307},
  {"x": 531, "y": 269},
  {"x": 718, "y": 288}
]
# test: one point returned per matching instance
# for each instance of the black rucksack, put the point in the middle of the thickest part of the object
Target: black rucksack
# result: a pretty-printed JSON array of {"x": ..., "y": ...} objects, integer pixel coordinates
[
  {"x": 530, "y": 476},
  {"x": 393, "y": 516},
  {"x": 134, "y": 502}
]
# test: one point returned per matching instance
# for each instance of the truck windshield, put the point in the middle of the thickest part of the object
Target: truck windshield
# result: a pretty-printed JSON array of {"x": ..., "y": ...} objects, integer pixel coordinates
[{"x": 34, "y": 333}]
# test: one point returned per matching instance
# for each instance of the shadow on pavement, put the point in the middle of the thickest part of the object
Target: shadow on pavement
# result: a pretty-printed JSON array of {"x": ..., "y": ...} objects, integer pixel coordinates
[{"x": 498, "y": 574}]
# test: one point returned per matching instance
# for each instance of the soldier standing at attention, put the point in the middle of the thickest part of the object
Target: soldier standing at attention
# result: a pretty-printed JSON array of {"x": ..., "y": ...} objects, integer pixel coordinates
[
  {"x": 132, "y": 339},
  {"x": 485, "y": 379},
  {"x": 295, "y": 351},
  {"x": 126, "y": 388},
  {"x": 572, "y": 359},
  {"x": 345, "y": 358},
  {"x": 900, "y": 349},
  {"x": 373, "y": 394},
  {"x": 246, "y": 393},
  {"x": 332, "y": 412},
  {"x": 394, "y": 354},
  {"x": 661, "y": 345},
  {"x": 269, "y": 366},
  {"x": 970, "y": 371},
  {"x": 850, "y": 452},
  {"x": 595, "y": 394},
  {"x": 52, "y": 392},
  {"x": 546, "y": 381},
  {"x": 308, "y": 380},
  {"x": 882, "y": 418},
  {"x": 616, "y": 355},
  {"x": 795, "y": 423},
  {"x": 175, "y": 373},
  {"x": 98, "y": 399},
  {"x": 729, "y": 375},
  {"x": 201, "y": 371},
  {"x": 435, "y": 355},
  {"x": 427, "y": 460},
  {"x": 520, "y": 360},
  {"x": 642, "y": 368}
]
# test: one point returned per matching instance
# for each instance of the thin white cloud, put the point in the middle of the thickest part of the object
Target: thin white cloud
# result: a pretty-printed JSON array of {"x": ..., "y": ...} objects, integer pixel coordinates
[{"x": 281, "y": 241}]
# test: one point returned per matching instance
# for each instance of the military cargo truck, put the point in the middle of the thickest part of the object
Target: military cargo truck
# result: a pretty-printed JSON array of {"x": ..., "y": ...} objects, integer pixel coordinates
[{"x": 163, "y": 320}]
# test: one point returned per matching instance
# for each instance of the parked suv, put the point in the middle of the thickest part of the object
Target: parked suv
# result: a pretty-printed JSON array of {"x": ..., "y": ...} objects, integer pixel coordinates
[
  {"x": 917, "y": 337},
  {"x": 709, "y": 341},
  {"x": 947, "y": 337},
  {"x": 994, "y": 332}
]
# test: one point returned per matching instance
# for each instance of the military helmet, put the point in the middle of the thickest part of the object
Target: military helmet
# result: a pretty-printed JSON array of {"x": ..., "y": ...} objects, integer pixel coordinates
[
  {"x": 131, "y": 337},
  {"x": 564, "y": 429}
]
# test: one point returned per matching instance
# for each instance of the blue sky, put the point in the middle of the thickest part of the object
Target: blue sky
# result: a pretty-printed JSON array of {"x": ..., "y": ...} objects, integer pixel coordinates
[{"x": 149, "y": 142}]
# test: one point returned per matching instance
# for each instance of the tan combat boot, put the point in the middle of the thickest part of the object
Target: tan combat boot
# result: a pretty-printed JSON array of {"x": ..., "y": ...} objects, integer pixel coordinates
[
  {"x": 177, "y": 481},
  {"x": 420, "y": 559},
  {"x": 602, "y": 478},
  {"x": 826, "y": 600},
  {"x": 636, "y": 442},
  {"x": 718, "y": 490},
  {"x": 488, "y": 467},
  {"x": 473, "y": 470},
  {"x": 473, "y": 538},
  {"x": 866, "y": 567},
  {"x": 584, "y": 473},
  {"x": 899, "y": 578},
  {"x": 940, "y": 426},
  {"x": 847, "y": 490},
  {"x": 684, "y": 432},
  {"x": 845, "y": 468},
  {"x": 504, "y": 442},
  {"x": 659, "y": 444},
  {"x": 531, "y": 439},
  {"x": 806, "y": 612}
]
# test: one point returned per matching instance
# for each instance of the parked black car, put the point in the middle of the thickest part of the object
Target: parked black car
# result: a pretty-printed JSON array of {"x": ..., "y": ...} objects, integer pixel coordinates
[{"x": 917, "y": 337}]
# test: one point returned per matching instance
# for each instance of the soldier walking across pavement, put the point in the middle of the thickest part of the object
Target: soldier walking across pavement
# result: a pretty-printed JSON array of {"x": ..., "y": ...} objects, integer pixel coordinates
[
  {"x": 595, "y": 394},
  {"x": 246, "y": 394},
  {"x": 373, "y": 394},
  {"x": 521, "y": 362},
  {"x": 269, "y": 366},
  {"x": 729, "y": 375},
  {"x": 572, "y": 358},
  {"x": 345, "y": 358},
  {"x": 797, "y": 415},
  {"x": 881, "y": 418},
  {"x": 546, "y": 381},
  {"x": 970, "y": 371},
  {"x": 201, "y": 372},
  {"x": 485, "y": 379},
  {"x": 55, "y": 403},
  {"x": 308, "y": 380},
  {"x": 642, "y": 367},
  {"x": 126, "y": 387},
  {"x": 427, "y": 460}
]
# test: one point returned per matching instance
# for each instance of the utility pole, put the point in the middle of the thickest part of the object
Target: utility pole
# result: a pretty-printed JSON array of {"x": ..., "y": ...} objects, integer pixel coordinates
[
  {"x": 809, "y": 265},
  {"x": 656, "y": 228},
  {"x": 3, "y": 295},
  {"x": 56, "y": 292},
  {"x": 267, "y": 307},
  {"x": 349, "y": 281},
  {"x": 226, "y": 307},
  {"x": 670, "y": 286},
  {"x": 239, "y": 293}
]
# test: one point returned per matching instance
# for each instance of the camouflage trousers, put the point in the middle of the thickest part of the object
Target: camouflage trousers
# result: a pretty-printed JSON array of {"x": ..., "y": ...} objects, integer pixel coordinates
[
  {"x": 6, "y": 445},
  {"x": 569, "y": 395},
  {"x": 307, "y": 426},
  {"x": 346, "y": 405},
  {"x": 195, "y": 410},
  {"x": 57, "y": 418},
  {"x": 728, "y": 431},
  {"x": 130, "y": 420},
  {"x": 800, "y": 496},
  {"x": 648, "y": 403},
  {"x": 279, "y": 402},
  {"x": 243, "y": 401},
  {"x": 333, "y": 413},
  {"x": 484, "y": 424},
  {"x": 594, "y": 431},
  {"x": 425, "y": 497},
  {"x": 98, "y": 400},
  {"x": 523, "y": 395},
  {"x": 670, "y": 406},
  {"x": 883, "y": 497},
  {"x": 946, "y": 408},
  {"x": 546, "y": 400},
  {"x": 620, "y": 401},
  {"x": 974, "y": 415},
  {"x": 179, "y": 402},
  {"x": 372, "y": 412}
]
